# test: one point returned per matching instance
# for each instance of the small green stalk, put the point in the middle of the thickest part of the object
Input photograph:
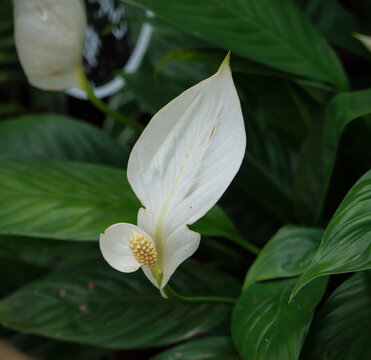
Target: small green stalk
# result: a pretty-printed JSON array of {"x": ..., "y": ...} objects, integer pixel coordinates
[
  {"x": 85, "y": 85},
  {"x": 172, "y": 295},
  {"x": 244, "y": 243}
]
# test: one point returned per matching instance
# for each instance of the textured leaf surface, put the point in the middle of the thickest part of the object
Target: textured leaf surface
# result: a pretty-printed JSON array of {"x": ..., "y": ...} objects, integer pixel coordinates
[
  {"x": 274, "y": 33},
  {"x": 288, "y": 253},
  {"x": 55, "y": 136},
  {"x": 63, "y": 199},
  {"x": 94, "y": 304},
  {"x": 346, "y": 244},
  {"x": 318, "y": 154},
  {"x": 71, "y": 201},
  {"x": 211, "y": 348},
  {"x": 342, "y": 328},
  {"x": 265, "y": 326}
]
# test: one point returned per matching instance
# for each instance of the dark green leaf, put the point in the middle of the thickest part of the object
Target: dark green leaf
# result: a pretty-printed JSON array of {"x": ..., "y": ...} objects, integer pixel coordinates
[
  {"x": 217, "y": 223},
  {"x": 211, "y": 348},
  {"x": 341, "y": 330},
  {"x": 55, "y": 136},
  {"x": 335, "y": 23},
  {"x": 9, "y": 109},
  {"x": 149, "y": 94},
  {"x": 214, "y": 59},
  {"x": 45, "y": 253},
  {"x": 346, "y": 244},
  {"x": 318, "y": 154},
  {"x": 239, "y": 65},
  {"x": 14, "y": 274},
  {"x": 266, "y": 171},
  {"x": 274, "y": 33},
  {"x": 152, "y": 90},
  {"x": 321, "y": 13},
  {"x": 265, "y": 326},
  {"x": 94, "y": 304},
  {"x": 342, "y": 29},
  {"x": 46, "y": 349},
  {"x": 288, "y": 253}
]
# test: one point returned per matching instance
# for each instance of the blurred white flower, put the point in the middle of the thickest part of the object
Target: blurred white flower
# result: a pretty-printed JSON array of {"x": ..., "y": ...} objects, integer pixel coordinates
[
  {"x": 49, "y": 37},
  {"x": 364, "y": 39},
  {"x": 180, "y": 166}
]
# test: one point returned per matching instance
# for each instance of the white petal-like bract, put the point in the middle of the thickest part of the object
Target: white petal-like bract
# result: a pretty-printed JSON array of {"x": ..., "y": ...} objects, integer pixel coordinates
[
  {"x": 114, "y": 244},
  {"x": 364, "y": 39},
  {"x": 50, "y": 37},
  {"x": 183, "y": 162}
]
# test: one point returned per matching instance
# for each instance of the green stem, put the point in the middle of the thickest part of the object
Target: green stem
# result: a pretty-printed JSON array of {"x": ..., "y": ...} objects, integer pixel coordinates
[
  {"x": 102, "y": 106},
  {"x": 245, "y": 244},
  {"x": 172, "y": 295}
]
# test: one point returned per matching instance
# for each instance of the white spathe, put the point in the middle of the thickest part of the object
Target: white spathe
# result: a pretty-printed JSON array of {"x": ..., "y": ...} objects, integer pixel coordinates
[
  {"x": 179, "y": 168},
  {"x": 50, "y": 37},
  {"x": 364, "y": 39}
]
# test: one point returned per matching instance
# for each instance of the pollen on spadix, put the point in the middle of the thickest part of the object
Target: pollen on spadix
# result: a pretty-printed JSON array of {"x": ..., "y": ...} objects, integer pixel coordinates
[{"x": 143, "y": 250}]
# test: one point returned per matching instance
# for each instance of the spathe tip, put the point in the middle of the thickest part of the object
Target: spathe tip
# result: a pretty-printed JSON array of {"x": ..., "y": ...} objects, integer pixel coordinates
[{"x": 225, "y": 62}]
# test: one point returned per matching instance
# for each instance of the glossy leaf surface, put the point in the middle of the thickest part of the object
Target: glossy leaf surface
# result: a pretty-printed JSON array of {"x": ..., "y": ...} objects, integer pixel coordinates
[
  {"x": 341, "y": 330},
  {"x": 266, "y": 326},
  {"x": 346, "y": 244},
  {"x": 94, "y": 304},
  {"x": 273, "y": 33},
  {"x": 68, "y": 200},
  {"x": 288, "y": 253}
]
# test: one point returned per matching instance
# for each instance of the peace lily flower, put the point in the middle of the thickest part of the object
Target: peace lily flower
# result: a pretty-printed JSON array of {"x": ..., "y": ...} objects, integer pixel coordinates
[
  {"x": 180, "y": 166},
  {"x": 49, "y": 37},
  {"x": 364, "y": 39}
]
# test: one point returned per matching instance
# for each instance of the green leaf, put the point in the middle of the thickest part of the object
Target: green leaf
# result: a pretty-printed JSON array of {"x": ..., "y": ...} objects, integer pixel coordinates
[
  {"x": 44, "y": 252},
  {"x": 55, "y": 136},
  {"x": 282, "y": 105},
  {"x": 210, "y": 348},
  {"x": 266, "y": 171},
  {"x": 9, "y": 67},
  {"x": 275, "y": 33},
  {"x": 63, "y": 199},
  {"x": 321, "y": 13},
  {"x": 10, "y": 109},
  {"x": 44, "y": 349},
  {"x": 14, "y": 274},
  {"x": 94, "y": 304},
  {"x": 265, "y": 326},
  {"x": 346, "y": 244},
  {"x": 68, "y": 200},
  {"x": 213, "y": 58},
  {"x": 317, "y": 156},
  {"x": 147, "y": 92},
  {"x": 342, "y": 28},
  {"x": 341, "y": 330},
  {"x": 288, "y": 253},
  {"x": 217, "y": 223}
]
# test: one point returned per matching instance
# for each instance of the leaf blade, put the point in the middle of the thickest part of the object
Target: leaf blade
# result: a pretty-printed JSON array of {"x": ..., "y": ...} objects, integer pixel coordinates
[
  {"x": 341, "y": 329},
  {"x": 273, "y": 33},
  {"x": 346, "y": 244},
  {"x": 68, "y": 200},
  {"x": 93, "y": 304},
  {"x": 287, "y": 254},
  {"x": 274, "y": 329}
]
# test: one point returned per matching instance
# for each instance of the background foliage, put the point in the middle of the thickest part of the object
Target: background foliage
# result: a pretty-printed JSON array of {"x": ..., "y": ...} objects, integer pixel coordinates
[{"x": 290, "y": 239}]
